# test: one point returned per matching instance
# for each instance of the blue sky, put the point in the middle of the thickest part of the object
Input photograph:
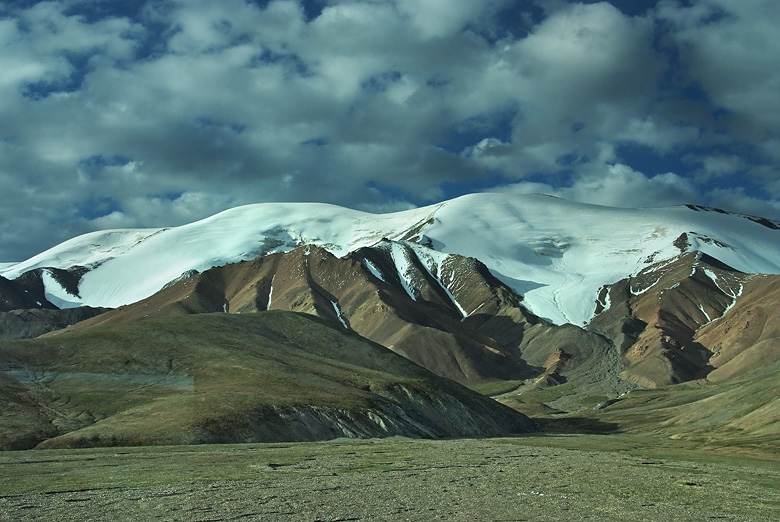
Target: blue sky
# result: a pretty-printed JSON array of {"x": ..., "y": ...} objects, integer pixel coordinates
[{"x": 157, "y": 113}]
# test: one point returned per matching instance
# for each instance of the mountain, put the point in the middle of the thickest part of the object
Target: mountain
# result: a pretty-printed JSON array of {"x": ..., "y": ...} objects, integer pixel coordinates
[
  {"x": 556, "y": 254},
  {"x": 259, "y": 377},
  {"x": 418, "y": 313},
  {"x": 25, "y": 312},
  {"x": 532, "y": 298}
]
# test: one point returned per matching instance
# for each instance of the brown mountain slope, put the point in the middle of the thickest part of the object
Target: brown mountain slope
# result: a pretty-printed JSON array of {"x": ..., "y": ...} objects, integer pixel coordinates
[
  {"x": 653, "y": 317},
  {"x": 740, "y": 411},
  {"x": 455, "y": 319},
  {"x": 747, "y": 337},
  {"x": 267, "y": 376},
  {"x": 311, "y": 280}
]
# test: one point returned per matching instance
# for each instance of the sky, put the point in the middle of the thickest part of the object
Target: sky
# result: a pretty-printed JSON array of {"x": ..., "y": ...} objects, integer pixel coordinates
[{"x": 151, "y": 113}]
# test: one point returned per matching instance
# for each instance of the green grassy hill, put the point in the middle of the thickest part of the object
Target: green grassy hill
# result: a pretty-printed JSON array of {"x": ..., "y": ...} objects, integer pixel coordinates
[
  {"x": 741, "y": 414},
  {"x": 206, "y": 378}
]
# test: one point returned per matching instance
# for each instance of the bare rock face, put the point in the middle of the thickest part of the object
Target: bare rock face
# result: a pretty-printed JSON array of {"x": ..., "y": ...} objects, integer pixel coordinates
[
  {"x": 25, "y": 312},
  {"x": 32, "y": 322},
  {"x": 23, "y": 293}
]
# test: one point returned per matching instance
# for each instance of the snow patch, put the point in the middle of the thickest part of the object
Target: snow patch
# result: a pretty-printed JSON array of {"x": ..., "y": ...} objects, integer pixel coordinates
[
  {"x": 56, "y": 294},
  {"x": 338, "y": 314},
  {"x": 374, "y": 270},
  {"x": 706, "y": 315},
  {"x": 432, "y": 261},
  {"x": 607, "y": 302},
  {"x": 725, "y": 289},
  {"x": 404, "y": 267},
  {"x": 271, "y": 293}
]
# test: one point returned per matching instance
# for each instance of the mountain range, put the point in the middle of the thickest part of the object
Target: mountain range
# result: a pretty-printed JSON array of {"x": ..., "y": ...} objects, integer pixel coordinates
[{"x": 515, "y": 296}]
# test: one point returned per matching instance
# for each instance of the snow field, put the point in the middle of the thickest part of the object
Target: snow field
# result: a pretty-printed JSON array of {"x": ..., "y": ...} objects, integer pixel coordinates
[{"x": 557, "y": 254}]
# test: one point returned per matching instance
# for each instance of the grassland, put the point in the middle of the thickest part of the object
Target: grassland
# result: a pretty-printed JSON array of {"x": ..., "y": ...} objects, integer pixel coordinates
[
  {"x": 561, "y": 477},
  {"x": 222, "y": 378},
  {"x": 696, "y": 451}
]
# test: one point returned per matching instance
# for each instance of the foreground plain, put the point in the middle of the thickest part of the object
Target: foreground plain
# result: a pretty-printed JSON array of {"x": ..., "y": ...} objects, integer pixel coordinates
[{"x": 559, "y": 477}]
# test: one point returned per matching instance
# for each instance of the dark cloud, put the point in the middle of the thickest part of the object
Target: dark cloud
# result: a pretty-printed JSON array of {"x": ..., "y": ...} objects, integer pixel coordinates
[{"x": 154, "y": 113}]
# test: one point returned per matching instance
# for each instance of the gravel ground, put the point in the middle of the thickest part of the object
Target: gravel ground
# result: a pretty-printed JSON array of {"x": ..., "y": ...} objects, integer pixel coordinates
[{"x": 498, "y": 480}]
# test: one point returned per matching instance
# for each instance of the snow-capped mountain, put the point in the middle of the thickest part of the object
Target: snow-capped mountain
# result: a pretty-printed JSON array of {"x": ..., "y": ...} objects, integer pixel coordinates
[
  {"x": 482, "y": 289},
  {"x": 558, "y": 255}
]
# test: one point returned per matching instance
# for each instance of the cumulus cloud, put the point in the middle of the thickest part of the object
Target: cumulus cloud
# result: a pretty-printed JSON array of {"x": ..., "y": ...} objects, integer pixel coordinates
[
  {"x": 730, "y": 51},
  {"x": 618, "y": 186},
  {"x": 738, "y": 200},
  {"x": 163, "y": 113}
]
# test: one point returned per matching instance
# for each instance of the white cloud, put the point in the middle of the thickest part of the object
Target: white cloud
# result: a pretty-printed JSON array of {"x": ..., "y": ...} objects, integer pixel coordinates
[
  {"x": 622, "y": 186},
  {"x": 661, "y": 137},
  {"x": 574, "y": 80},
  {"x": 442, "y": 18},
  {"x": 194, "y": 106},
  {"x": 736, "y": 200},
  {"x": 618, "y": 186},
  {"x": 730, "y": 49}
]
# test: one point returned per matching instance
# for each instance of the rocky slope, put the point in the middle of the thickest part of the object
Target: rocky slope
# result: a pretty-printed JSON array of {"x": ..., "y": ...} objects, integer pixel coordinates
[
  {"x": 29, "y": 323},
  {"x": 25, "y": 292},
  {"x": 25, "y": 312}
]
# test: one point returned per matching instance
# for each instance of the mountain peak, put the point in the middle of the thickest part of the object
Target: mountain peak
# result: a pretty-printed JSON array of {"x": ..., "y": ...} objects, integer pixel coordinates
[{"x": 557, "y": 254}]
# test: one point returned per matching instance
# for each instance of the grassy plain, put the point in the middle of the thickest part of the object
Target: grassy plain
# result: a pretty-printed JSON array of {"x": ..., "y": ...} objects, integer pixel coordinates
[
  {"x": 690, "y": 452},
  {"x": 552, "y": 477}
]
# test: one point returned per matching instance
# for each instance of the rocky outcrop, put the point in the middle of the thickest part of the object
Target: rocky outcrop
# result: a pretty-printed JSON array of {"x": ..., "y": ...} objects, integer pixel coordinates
[
  {"x": 29, "y": 323},
  {"x": 23, "y": 293},
  {"x": 398, "y": 412}
]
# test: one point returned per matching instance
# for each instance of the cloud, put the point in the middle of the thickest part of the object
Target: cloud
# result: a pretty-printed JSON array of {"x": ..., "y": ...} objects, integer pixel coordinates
[
  {"x": 729, "y": 50},
  {"x": 621, "y": 186},
  {"x": 737, "y": 200},
  {"x": 618, "y": 186},
  {"x": 162, "y": 112},
  {"x": 574, "y": 79}
]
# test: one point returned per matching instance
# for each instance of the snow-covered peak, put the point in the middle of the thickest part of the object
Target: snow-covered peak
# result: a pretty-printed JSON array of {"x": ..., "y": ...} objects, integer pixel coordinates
[{"x": 556, "y": 253}]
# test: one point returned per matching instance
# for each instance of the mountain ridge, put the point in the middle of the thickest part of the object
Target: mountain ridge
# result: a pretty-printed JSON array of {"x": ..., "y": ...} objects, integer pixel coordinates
[
  {"x": 660, "y": 296},
  {"x": 556, "y": 254}
]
